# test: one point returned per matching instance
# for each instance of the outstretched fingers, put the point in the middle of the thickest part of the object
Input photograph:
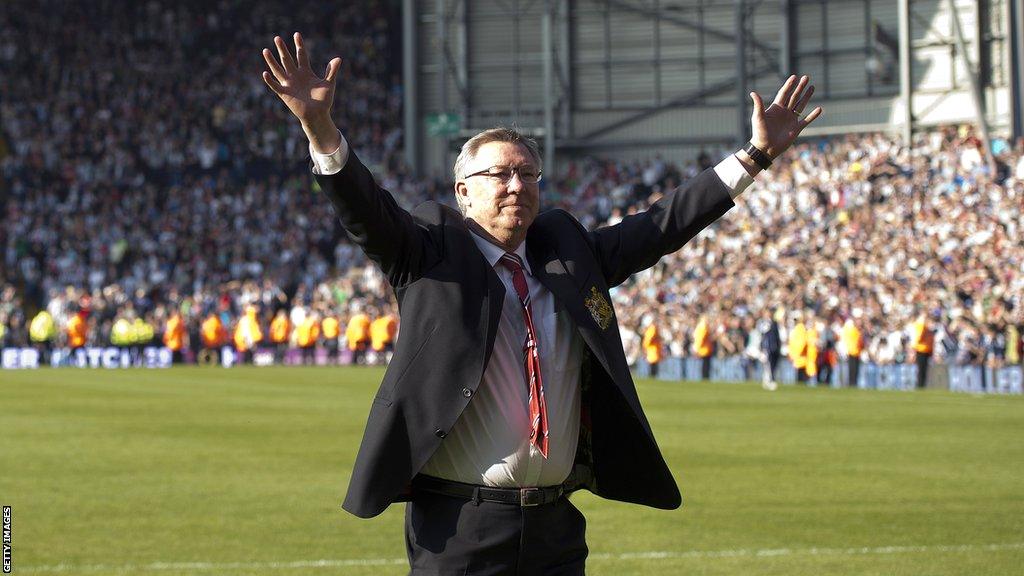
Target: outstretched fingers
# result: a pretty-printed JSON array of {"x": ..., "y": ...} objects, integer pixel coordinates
[
  {"x": 275, "y": 68},
  {"x": 287, "y": 62},
  {"x": 785, "y": 92},
  {"x": 802, "y": 103},
  {"x": 301, "y": 57},
  {"x": 794, "y": 97},
  {"x": 758, "y": 105},
  {"x": 810, "y": 117},
  {"x": 332, "y": 70},
  {"x": 273, "y": 83}
]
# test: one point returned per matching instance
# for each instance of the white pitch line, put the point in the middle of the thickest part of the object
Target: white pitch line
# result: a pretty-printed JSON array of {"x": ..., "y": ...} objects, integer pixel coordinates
[
  {"x": 763, "y": 553},
  {"x": 653, "y": 555}
]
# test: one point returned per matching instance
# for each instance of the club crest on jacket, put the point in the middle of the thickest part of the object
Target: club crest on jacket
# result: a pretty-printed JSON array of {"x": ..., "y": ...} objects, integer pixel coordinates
[{"x": 599, "y": 308}]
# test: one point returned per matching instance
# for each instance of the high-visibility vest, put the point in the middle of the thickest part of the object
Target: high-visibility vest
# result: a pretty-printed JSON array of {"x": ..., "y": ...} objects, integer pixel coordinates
[
  {"x": 702, "y": 339},
  {"x": 279, "y": 329},
  {"x": 358, "y": 331},
  {"x": 120, "y": 332},
  {"x": 852, "y": 339},
  {"x": 923, "y": 338},
  {"x": 42, "y": 328},
  {"x": 811, "y": 337},
  {"x": 331, "y": 327},
  {"x": 382, "y": 332},
  {"x": 652, "y": 344},
  {"x": 76, "y": 331},
  {"x": 143, "y": 331},
  {"x": 247, "y": 332},
  {"x": 797, "y": 346},
  {"x": 1012, "y": 345},
  {"x": 307, "y": 332},
  {"x": 174, "y": 333},
  {"x": 213, "y": 332}
]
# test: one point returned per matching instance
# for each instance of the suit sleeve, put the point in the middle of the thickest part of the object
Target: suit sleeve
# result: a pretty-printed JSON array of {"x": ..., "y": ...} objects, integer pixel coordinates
[
  {"x": 375, "y": 222},
  {"x": 640, "y": 240}
]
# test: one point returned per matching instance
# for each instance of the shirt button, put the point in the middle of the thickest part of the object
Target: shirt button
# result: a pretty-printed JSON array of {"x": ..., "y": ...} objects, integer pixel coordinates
[
  {"x": 440, "y": 433},
  {"x": 467, "y": 392}
]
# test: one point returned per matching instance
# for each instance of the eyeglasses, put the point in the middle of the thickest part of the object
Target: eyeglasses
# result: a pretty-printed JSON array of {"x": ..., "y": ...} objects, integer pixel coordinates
[{"x": 503, "y": 174}]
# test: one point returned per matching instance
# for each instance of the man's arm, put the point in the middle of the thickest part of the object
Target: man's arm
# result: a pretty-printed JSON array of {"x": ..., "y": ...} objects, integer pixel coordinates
[
  {"x": 639, "y": 241},
  {"x": 370, "y": 215}
]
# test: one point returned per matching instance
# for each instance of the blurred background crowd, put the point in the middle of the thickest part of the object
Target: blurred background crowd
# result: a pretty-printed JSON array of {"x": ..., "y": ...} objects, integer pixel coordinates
[{"x": 151, "y": 182}]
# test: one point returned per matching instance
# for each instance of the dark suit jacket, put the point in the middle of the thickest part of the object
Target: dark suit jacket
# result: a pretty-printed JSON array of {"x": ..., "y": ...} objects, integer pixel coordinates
[
  {"x": 450, "y": 302},
  {"x": 771, "y": 341}
]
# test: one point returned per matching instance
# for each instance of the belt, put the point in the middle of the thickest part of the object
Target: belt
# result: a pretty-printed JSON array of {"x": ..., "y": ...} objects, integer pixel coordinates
[{"x": 518, "y": 496}]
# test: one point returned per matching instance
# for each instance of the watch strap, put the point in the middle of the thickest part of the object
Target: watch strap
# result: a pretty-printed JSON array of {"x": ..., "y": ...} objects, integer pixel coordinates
[{"x": 758, "y": 156}]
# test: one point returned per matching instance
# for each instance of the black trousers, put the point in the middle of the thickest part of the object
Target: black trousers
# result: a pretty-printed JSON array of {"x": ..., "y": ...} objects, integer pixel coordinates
[
  {"x": 854, "y": 371},
  {"x": 922, "y": 369},
  {"x": 801, "y": 375},
  {"x": 825, "y": 373},
  {"x": 449, "y": 536},
  {"x": 773, "y": 362}
]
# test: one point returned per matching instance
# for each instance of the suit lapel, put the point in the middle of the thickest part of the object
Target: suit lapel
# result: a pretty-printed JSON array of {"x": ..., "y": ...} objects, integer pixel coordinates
[{"x": 551, "y": 271}]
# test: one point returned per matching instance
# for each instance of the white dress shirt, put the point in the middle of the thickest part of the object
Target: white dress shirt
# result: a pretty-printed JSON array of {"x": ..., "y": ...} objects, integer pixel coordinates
[{"x": 490, "y": 443}]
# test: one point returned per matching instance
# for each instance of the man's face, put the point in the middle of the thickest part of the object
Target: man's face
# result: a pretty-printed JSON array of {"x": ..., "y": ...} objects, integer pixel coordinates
[{"x": 503, "y": 209}]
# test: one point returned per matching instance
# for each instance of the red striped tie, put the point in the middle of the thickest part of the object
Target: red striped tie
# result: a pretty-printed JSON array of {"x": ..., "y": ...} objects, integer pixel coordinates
[{"x": 538, "y": 408}]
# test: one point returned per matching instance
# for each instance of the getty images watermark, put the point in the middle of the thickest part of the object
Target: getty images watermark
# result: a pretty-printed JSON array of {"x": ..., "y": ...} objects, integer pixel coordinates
[{"x": 7, "y": 539}]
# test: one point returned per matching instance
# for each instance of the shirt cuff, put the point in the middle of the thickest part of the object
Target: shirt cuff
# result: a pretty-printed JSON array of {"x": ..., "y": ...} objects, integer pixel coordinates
[
  {"x": 733, "y": 175},
  {"x": 327, "y": 164}
]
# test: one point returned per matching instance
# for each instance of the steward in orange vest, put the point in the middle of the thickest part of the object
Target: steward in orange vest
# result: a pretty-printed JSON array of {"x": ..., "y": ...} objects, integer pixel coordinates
[
  {"x": 214, "y": 336},
  {"x": 797, "y": 347},
  {"x": 248, "y": 334},
  {"x": 358, "y": 335},
  {"x": 279, "y": 328},
  {"x": 174, "y": 336},
  {"x": 923, "y": 341},
  {"x": 651, "y": 344},
  {"x": 382, "y": 336},
  {"x": 306, "y": 335},
  {"x": 854, "y": 343},
  {"x": 704, "y": 346},
  {"x": 77, "y": 330},
  {"x": 213, "y": 332},
  {"x": 331, "y": 329},
  {"x": 811, "y": 339}
]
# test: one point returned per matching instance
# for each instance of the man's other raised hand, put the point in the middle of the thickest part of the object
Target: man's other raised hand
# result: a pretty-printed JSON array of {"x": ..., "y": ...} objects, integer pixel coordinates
[{"x": 774, "y": 129}]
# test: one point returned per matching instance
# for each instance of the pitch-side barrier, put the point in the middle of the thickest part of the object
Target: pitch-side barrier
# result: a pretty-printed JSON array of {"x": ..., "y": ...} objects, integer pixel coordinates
[{"x": 976, "y": 379}]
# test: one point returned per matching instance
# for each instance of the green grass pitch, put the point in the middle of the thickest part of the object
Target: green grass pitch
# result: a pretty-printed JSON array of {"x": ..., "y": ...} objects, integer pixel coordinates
[{"x": 242, "y": 471}]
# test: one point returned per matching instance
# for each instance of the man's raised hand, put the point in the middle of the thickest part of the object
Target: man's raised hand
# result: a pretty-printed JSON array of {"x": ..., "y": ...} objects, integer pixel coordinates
[
  {"x": 308, "y": 96},
  {"x": 774, "y": 129}
]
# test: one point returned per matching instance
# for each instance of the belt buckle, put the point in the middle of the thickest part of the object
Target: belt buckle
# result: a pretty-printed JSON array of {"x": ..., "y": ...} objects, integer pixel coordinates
[{"x": 524, "y": 497}]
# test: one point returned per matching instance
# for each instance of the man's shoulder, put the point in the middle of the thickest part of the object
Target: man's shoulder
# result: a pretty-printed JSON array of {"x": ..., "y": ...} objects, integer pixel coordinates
[
  {"x": 557, "y": 220},
  {"x": 433, "y": 212}
]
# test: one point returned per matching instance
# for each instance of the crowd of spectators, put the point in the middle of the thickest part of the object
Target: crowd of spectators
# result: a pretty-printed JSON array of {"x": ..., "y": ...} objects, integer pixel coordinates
[
  {"x": 146, "y": 165},
  {"x": 861, "y": 227},
  {"x": 146, "y": 170}
]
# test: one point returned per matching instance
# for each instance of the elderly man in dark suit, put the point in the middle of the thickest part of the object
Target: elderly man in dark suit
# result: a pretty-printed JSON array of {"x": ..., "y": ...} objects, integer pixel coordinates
[{"x": 508, "y": 388}]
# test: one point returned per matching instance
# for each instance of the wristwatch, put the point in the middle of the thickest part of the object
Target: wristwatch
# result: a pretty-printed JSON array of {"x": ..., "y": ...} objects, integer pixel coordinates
[{"x": 758, "y": 156}]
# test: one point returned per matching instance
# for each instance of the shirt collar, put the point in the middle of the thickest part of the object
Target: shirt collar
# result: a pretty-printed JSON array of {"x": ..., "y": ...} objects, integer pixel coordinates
[{"x": 493, "y": 253}]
